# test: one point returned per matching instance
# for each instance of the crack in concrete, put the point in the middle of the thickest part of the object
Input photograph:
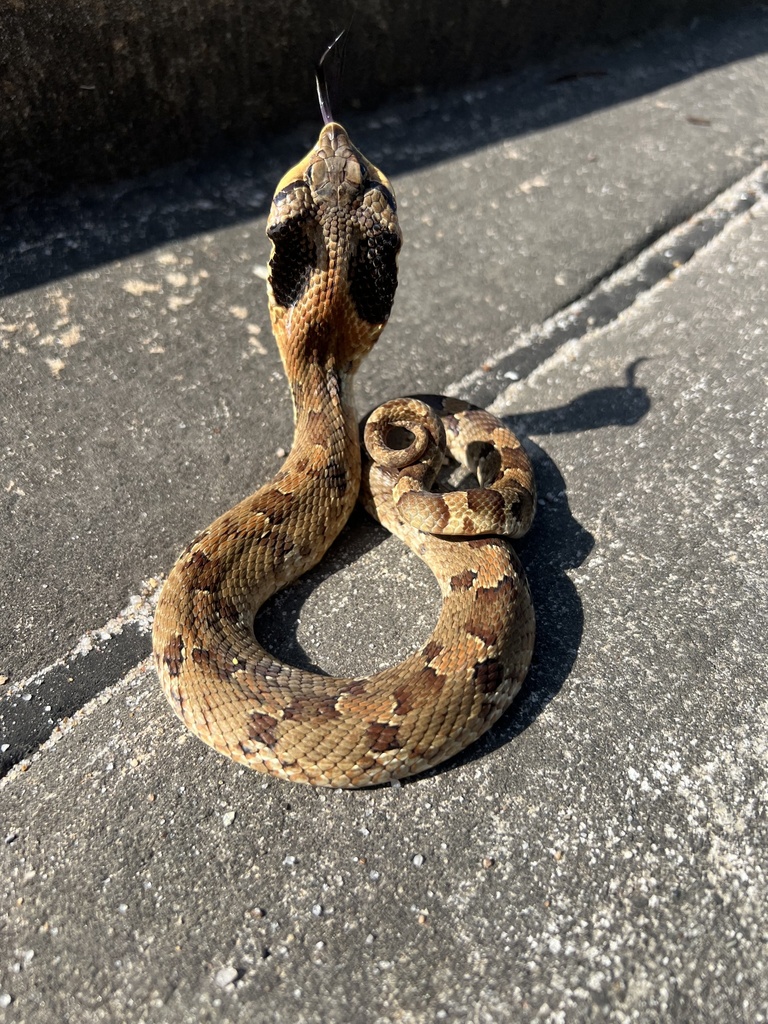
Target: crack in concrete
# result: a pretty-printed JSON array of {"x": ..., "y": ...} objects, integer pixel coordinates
[{"x": 34, "y": 708}]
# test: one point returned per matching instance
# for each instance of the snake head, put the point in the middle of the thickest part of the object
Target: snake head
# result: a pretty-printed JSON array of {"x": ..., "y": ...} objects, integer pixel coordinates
[{"x": 335, "y": 239}]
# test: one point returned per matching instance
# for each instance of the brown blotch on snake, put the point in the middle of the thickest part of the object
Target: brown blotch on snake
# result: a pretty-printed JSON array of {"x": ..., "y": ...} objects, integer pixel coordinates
[
  {"x": 333, "y": 273},
  {"x": 262, "y": 727},
  {"x": 173, "y": 656}
]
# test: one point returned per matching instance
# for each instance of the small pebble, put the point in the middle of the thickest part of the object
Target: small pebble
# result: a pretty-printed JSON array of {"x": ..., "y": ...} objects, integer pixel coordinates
[
  {"x": 317, "y": 910},
  {"x": 280, "y": 453},
  {"x": 228, "y": 817},
  {"x": 226, "y": 976},
  {"x": 5, "y": 1000},
  {"x": 418, "y": 860},
  {"x": 488, "y": 862}
]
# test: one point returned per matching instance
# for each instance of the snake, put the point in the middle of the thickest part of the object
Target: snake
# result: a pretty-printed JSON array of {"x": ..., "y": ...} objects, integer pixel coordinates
[{"x": 335, "y": 237}]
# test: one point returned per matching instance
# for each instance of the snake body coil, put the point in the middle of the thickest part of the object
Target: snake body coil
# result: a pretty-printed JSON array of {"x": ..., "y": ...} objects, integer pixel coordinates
[{"x": 333, "y": 275}]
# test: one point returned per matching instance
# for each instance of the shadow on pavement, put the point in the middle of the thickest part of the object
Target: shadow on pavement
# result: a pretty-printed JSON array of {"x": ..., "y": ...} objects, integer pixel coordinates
[
  {"x": 556, "y": 544},
  {"x": 47, "y": 238}
]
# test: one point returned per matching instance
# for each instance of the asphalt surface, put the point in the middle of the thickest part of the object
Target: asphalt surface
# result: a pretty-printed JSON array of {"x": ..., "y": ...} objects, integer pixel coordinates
[{"x": 599, "y": 855}]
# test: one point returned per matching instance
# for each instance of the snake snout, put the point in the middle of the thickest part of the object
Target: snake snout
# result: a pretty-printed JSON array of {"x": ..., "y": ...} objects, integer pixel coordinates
[
  {"x": 337, "y": 167},
  {"x": 485, "y": 461}
]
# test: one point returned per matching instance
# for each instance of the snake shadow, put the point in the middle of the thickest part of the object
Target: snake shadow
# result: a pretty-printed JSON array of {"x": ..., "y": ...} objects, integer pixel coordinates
[{"x": 556, "y": 544}]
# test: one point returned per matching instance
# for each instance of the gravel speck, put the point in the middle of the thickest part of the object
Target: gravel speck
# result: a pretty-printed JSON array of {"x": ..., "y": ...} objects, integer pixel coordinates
[{"x": 226, "y": 976}]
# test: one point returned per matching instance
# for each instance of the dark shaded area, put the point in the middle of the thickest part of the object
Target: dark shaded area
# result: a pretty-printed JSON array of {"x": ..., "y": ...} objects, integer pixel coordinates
[
  {"x": 43, "y": 239},
  {"x": 93, "y": 91},
  {"x": 602, "y": 407},
  {"x": 29, "y": 716}
]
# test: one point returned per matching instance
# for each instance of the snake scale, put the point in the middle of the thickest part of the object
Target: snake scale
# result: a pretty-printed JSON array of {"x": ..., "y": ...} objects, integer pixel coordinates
[{"x": 332, "y": 278}]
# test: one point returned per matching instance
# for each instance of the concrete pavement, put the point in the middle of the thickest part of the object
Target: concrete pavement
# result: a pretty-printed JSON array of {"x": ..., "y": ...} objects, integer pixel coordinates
[{"x": 599, "y": 855}]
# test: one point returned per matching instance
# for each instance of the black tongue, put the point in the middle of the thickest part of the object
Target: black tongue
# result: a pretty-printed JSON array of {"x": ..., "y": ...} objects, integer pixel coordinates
[{"x": 329, "y": 74}]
